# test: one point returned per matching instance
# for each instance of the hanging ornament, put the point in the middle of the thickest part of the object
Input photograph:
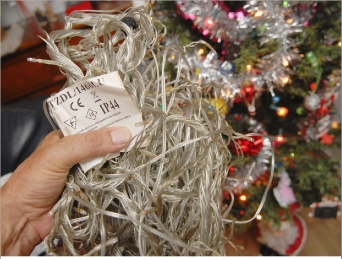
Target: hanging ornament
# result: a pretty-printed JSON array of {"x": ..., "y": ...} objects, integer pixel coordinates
[
  {"x": 310, "y": 133},
  {"x": 248, "y": 148},
  {"x": 323, "y": 126},
  {"x": 312, "y": 102},
  {"x": 248, "y": 91},
  {"x": 251, "y": 106},
  {"x": 323, "y": 109},
  {"x": 220, "y": 104},
  {"x": 334, "y": 79},
  {"x": 227, "y": 67},
  {"x": 248, "y": 95}
]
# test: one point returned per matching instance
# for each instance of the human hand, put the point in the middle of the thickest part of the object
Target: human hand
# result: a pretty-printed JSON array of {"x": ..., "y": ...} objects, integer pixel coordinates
[{"x": 35, "y": 186}]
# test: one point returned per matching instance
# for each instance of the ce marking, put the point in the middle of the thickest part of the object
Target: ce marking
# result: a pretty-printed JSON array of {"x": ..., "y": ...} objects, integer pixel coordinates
[{"x": 78, "y": 103}]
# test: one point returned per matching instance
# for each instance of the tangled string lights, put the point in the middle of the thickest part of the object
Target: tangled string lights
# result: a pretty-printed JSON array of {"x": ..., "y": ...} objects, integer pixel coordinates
[{"x": 164, "y": 196}]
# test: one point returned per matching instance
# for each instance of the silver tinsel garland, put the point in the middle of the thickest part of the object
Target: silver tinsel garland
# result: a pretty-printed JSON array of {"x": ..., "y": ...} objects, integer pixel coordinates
[{"x": 271, "y": 19}]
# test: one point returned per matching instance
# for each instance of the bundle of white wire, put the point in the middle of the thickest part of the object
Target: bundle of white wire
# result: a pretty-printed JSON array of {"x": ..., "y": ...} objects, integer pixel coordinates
[{"x": 160, "y": 198}]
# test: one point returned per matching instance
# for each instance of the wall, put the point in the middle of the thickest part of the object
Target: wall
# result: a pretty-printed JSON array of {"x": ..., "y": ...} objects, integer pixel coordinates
[{"x": 12, "y": 13}]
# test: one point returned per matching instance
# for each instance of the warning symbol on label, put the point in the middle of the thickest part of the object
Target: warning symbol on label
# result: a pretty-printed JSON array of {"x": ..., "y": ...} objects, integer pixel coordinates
[
  {"x": 71, "y": 122},
  {"x": 91, "y": 114},
  {"x": 95, "y": 96}
]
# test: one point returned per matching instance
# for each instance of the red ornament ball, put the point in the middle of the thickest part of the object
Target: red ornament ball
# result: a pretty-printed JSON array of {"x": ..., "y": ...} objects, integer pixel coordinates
[
  {"x": 247, "y": 147},
  {"x": 248, "y": 92}
]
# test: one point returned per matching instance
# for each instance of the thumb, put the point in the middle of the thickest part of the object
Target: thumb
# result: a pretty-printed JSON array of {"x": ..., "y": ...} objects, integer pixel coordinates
[{"x": 73, "y": 149}]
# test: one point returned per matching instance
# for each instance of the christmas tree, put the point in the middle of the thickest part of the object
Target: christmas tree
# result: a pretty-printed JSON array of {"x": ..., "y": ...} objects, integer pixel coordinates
[{"x": 275, "y": 68}]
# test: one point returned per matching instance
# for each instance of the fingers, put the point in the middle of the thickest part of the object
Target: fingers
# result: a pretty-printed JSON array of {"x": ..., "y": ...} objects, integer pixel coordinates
[{"x": 73, "y": 149}]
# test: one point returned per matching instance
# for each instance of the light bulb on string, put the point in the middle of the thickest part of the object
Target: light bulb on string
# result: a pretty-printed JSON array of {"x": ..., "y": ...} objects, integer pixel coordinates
[
  {"x": 299, "y": 110},
  {"x": 335, "y": 125},
  {"x": 172, "y": 57},
  {"x": 240, "y": 15},
  {"x": 282, "y": 111},
  {"x": 275, "y": 99},
  {"x": 313, "y": 86},
  {"x": 231, "y": 15},
  {"x": 243, "y": 198},
  {"x": 289, "y": 21},
  {"x": 285, "y": 62},
  {"x": 285, "y": 80},
  {"x": 206, "y": 32},
  {"x": 200, "y": 53},
  {"x": 279, "y": 138},
  {"x": 259, "y": 13},
  {"x": 259, "y": 217},
  {"x": 248, "y": 68},
  {"x": 192, "y": 16},
  {"x": 209, "y": 23}
]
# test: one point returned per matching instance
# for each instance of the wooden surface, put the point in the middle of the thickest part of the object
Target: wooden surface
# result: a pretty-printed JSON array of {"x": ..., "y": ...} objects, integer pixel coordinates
[
  {"x": 21, "y": 79},
  {"x": 323, "y": 238}
]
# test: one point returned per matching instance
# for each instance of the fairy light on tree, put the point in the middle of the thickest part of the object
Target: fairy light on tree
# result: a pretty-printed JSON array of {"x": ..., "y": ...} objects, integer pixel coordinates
[{"x": 282, "y": 111}]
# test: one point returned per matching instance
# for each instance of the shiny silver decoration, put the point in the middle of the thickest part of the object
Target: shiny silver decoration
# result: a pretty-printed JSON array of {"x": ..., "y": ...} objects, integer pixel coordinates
[{"x": 312, "y": 102}]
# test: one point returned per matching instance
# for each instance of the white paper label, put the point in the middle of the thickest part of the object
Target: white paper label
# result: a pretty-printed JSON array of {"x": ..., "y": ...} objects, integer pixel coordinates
[{"x": 95, "y": 103}]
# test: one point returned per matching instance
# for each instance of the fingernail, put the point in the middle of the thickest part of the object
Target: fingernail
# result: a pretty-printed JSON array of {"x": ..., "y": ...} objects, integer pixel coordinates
[{"x": 120, "y": 135}]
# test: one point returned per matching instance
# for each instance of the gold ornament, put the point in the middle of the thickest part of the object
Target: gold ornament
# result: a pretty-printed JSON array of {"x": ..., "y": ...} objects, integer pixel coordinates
[
  {"x": 334, "y": 78},
  {"x": 221, "y": 105}
]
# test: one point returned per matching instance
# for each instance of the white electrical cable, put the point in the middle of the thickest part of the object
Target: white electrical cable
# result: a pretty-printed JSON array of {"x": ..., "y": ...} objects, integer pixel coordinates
[{"x": 163, "y": 197}]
